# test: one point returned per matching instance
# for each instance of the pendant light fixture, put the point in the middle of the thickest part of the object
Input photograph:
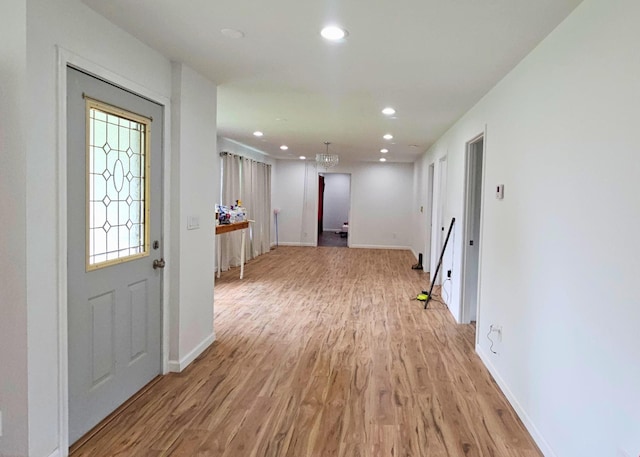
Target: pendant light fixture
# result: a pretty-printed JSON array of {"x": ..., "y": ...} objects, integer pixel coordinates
[{"x": 327, "y": 160}]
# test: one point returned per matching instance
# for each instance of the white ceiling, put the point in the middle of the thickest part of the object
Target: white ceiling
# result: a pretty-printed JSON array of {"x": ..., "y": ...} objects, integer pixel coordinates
[{"x": 432, "y": 60}]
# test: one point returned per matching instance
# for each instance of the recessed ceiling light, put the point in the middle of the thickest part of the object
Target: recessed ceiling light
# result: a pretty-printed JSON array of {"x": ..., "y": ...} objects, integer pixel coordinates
[
  {"x": 258, "y": 133},
  {"x": 232, "y": 33},
  {"x": 384, "y": 150},
  {"x": 388, "y": 136},
  {"x": 333, "y": 33},
  {"x": 382, "y": 159},
  {"x": 388, "y": 111},
  {"x": 284, "y": 147},
  {"x": 302, "y": 158}
]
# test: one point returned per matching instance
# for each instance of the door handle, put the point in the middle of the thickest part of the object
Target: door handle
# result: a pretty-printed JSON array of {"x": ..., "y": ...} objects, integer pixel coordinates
[{"x": 158, "y": 264}]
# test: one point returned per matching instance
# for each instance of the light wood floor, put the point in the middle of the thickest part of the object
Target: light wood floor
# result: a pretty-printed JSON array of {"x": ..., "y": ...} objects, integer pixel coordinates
[{"x": 322, "y": 352}]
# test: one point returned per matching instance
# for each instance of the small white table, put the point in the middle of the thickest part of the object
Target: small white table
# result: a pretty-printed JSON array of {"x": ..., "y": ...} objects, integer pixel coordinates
[{"x": 226, "y": 228}]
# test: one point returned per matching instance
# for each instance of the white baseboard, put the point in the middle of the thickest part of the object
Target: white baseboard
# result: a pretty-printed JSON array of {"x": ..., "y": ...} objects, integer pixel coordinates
[
  {"x": 524, "y": 417},
  {"x": 55, "y": 453},
  {"x": 376, "y": 246},
  {"x": 296, "y": 244},
  {"x": 176, "y": 366}
]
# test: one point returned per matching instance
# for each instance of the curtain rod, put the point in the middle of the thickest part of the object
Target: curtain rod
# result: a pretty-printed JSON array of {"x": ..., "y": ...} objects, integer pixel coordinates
[{"x": 226, "y": 153}]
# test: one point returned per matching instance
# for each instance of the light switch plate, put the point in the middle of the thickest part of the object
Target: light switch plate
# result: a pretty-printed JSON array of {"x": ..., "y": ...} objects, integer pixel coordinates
[{"x": 193, "y": 222}]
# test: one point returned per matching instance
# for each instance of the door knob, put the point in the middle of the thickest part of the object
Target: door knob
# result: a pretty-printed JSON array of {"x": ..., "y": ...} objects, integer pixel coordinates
[{"x": 158, "y": 264}]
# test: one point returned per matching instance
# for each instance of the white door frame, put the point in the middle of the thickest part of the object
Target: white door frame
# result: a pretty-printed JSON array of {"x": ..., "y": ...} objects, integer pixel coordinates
[
  {"x": 318, "y": 171},
  {"x": 467, "y": 227},
  {"x": 68, "y": 58}
]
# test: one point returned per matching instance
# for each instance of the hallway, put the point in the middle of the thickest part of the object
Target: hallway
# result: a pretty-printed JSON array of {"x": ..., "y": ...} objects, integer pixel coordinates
[{"x": 322, "y": 352}]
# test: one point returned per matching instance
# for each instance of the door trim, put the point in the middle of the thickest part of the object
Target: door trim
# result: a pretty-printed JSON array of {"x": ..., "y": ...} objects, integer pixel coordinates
[
  {"x": 68, "y": 58},
  {"x": 463, "y": 317},
  {"x": 350, "y": 174}
]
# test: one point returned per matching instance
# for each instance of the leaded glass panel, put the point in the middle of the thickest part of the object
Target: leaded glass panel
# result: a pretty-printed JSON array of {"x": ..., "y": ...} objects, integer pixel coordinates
[{"x": 117, "y": 184}]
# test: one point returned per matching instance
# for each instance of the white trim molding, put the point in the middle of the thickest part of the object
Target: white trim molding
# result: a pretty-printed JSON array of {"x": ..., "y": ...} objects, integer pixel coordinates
[
  {"x": 376, "y": 246},
  {"x": 295, "y": 243},
  {"x": 68, "y": 58},
  {"x": 176, "y": 366},
  {"x": 522, "y": 414},
  {"x": 55, "y": 453}
]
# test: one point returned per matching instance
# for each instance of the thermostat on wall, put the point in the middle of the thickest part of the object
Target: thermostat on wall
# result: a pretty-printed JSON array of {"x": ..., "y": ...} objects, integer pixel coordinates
[{"x": 500, "y": 191}]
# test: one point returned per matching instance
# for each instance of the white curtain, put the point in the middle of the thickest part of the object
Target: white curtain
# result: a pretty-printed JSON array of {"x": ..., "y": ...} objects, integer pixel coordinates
[
  {"x": 256, "y": 197},
  {"x": 248, "y": 201},
  {"x": 263, "y": 228},
  {"x": 261, "y": 200},
  {"x": 230, "y": 242},
  {"x": 249, "y": 181}
]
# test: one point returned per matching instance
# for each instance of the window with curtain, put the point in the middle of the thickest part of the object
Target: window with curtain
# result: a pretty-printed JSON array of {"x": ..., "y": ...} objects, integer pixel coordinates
[{"x": 250, "y": 181}]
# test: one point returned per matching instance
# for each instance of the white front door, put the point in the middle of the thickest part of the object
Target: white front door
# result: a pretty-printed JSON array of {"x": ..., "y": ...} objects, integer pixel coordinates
[{"x": 114, "y": 209}]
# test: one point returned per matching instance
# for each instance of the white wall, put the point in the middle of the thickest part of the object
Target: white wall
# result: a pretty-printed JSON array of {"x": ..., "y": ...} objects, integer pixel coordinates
[
  {"x": 70, "y": 24},
  {"x": 195, "y": 181},
  {"x": 381, "y": 205},
  {"x": 421, "y": 240},
  {"x": 13, "y": 298},
  {"x": 380, "y": 195},
  {"x": 294, "y": 192},
  {"x": 337, "y": 197},
  {"x": 559, "y": 262}
]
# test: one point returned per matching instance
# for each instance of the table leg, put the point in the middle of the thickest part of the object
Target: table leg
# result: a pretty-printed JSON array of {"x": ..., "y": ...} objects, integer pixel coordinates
[
  {"x": 242, "y": 255},
  {"x": 219, "y": 252}
]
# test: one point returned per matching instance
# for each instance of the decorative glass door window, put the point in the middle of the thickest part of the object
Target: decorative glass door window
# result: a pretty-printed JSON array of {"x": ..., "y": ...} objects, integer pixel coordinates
[{"x": 117, "y": 185}]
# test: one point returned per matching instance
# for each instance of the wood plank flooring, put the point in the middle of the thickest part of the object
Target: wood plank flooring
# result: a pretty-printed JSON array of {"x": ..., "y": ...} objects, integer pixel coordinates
[{"x": 322, "y": 352}]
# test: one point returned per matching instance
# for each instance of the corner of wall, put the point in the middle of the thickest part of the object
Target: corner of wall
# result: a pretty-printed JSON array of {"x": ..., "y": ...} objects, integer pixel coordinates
[
  {"x": 174, "y": 254},
  {"x": 176, "y": 366}
]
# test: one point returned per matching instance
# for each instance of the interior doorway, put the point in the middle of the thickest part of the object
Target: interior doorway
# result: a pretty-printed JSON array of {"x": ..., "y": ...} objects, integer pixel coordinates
[
  {"x": 334, "y": 208},
  {"x": 472, "y": 227},
  {"x": 429, "y": 219}
]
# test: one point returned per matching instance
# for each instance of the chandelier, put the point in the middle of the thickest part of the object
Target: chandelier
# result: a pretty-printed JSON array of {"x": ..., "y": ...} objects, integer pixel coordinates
[{"x": 327, "y": 160}]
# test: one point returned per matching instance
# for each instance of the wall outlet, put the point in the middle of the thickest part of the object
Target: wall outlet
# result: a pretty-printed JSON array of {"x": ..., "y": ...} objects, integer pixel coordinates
[{"x": 497, "y": 329}]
